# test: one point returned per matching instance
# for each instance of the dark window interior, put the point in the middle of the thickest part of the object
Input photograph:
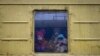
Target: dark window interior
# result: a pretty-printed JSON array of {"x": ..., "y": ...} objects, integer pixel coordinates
[{"x": 51, "y": 31}]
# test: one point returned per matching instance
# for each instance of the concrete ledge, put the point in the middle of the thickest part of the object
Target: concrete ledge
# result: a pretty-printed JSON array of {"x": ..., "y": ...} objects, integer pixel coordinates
[{"x": 14, "y": 39}]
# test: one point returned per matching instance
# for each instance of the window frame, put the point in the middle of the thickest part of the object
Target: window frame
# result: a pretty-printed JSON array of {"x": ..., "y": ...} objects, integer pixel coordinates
[{"x": 33, "y": 24}]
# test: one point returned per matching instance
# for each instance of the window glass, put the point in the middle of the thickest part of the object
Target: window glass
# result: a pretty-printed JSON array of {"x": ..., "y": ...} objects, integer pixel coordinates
[
  {"x": 51, "y": 31},
  {"x": 45, "y": 15}
]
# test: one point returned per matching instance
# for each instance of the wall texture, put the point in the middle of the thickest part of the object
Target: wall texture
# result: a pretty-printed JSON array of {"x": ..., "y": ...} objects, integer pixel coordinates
[
  {"x": 17, "y": 23},
  {"x": 49, "y": 1},
  {"x": 85, "y": 29}
]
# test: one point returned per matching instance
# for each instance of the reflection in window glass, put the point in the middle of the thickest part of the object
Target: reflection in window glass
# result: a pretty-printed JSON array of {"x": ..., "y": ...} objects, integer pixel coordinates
[
  {"x": 50, "y": 15},
  {"x": 51, "y": 31}
]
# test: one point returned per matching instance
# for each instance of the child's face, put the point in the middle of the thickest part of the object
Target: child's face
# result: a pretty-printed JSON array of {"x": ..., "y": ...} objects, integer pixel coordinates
[{"x": 40, "y": 38}]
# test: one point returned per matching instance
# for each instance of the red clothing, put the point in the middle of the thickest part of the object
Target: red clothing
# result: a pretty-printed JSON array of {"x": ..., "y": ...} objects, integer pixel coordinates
[{"x": 40, "y": 33}]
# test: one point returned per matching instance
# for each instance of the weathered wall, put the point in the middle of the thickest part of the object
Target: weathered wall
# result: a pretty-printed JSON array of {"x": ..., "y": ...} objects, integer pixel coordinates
[
  {"x": 15, "y": 29},
  {"x": 49, "y": 1},
  {"x": 85, "y": 29},
  {"x": 16, "y": 26}
]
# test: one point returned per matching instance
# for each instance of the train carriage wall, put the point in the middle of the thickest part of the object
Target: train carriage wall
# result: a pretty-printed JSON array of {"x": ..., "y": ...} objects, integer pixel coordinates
[{"x": 17, "y": 26}]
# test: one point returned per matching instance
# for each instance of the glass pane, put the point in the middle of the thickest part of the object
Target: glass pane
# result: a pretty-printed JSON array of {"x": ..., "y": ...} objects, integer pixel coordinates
[
  {"x": 51, "y": 31},
  {"x": 47, "y": 15}
]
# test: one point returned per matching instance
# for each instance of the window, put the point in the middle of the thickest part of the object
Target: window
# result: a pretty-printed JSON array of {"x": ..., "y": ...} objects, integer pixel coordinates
[{"x": 51, "y": 31}]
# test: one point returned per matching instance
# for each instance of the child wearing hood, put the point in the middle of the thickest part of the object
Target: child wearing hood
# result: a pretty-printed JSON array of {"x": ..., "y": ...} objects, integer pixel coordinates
[{"x": 61, "y": 43}]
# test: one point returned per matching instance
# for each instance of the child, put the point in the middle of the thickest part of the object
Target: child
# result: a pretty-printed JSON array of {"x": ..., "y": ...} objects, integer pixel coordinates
[{"x": 61, "y": 43}]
